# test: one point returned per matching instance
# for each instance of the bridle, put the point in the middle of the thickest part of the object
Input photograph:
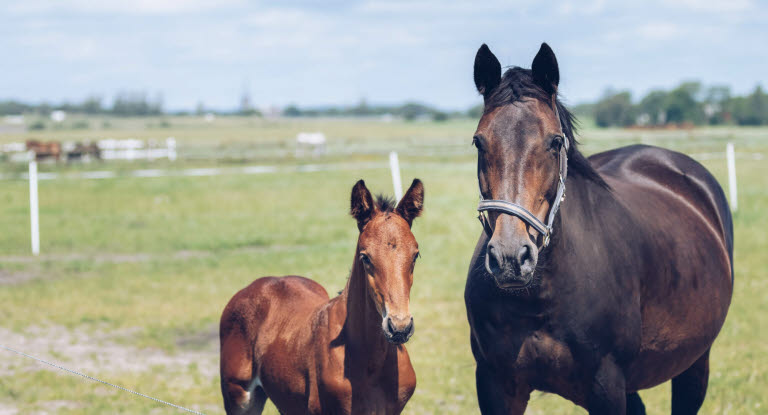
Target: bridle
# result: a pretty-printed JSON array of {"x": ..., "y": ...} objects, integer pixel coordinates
[{"x": 514, "y": 209}]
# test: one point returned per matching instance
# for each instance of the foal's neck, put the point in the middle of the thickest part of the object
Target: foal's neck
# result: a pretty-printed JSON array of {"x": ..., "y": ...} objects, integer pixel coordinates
[{"x": 363, "y": 333}]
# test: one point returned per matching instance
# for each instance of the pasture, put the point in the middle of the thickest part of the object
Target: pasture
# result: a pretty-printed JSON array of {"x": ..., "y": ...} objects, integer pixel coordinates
[{"x": 134, "y": 272}]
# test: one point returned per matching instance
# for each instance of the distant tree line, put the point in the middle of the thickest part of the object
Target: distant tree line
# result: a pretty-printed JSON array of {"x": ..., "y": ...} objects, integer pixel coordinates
[
  {"x": 125, "y": 104},
  {"x": 689, "y": 103},
  {"x": 408, "y": 111}
]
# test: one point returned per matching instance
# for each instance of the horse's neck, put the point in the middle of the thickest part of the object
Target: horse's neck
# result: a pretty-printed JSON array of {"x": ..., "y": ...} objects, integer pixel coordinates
[
  {"x": 362, "y": 331},
  {"x": 588, "y": 209}
]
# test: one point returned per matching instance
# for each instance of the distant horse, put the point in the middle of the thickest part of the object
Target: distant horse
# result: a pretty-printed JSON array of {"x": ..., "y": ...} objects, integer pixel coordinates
[
  {"x": 626, "y": 288},
  {"x": 45, "y": 149},
  {"x": 85, "y": 151},
  {"x": 283, "y": 339}
]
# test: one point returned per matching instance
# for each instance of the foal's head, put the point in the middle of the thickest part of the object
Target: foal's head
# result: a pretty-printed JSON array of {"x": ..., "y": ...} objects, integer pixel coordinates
[
  {"x": 518, "y": 141},
  {"x": 386, "y": 254}
]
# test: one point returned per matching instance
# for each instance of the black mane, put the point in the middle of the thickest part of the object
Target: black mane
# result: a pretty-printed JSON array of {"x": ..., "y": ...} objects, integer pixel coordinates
[
  {"x": 516, "y": 85},
  {"x": 385, "y": 203}
]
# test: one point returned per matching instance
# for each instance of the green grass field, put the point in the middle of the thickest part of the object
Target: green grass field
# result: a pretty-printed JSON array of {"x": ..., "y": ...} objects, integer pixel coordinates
[{"x": 134, "y": 272}]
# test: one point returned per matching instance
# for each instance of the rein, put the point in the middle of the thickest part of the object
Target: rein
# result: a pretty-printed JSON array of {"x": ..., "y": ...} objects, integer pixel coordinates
[{"x": 514, "y": 209}]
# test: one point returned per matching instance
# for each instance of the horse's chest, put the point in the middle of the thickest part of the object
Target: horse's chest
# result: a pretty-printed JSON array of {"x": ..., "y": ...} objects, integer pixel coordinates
[
  {"x": 540, "y": 360},
  {"x": 343, "y": 390},
  {"x": 343, "y": 397}
]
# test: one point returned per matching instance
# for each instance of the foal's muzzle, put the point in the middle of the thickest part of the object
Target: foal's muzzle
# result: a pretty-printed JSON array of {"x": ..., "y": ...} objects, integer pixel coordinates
[{"x": 397, "y": 330}]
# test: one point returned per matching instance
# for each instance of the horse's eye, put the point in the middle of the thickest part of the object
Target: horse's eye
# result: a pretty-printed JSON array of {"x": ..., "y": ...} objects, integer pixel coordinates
[
  {"x": 477, "y": 141},
  {"x": 557, "y": 143},
  {"x": 415, "y": 257},
  {"x": 365, "y": 260}
]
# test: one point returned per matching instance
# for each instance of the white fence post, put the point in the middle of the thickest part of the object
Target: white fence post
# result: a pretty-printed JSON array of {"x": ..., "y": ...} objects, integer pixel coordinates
[
  {"x": 731, "y": 156},
  {"x": 394, "y": 165},
  {"x": 33, "y": 205}
]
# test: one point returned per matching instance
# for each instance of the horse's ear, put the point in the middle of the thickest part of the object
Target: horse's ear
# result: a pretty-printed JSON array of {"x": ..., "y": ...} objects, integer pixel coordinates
[
  {"x": 362, "y": 207},
  {"x": 487, "y": 71},
  {"x": 412, "y": 203},
  {"x": 545, "y": 71}
]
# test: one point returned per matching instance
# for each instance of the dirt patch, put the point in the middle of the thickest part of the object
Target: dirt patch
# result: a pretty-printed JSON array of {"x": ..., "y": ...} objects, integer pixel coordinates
[
  {"x": 206, "y": 340},
  {"x": 16, "y": 277},
  {"x": 97, "y": 352},
  {"x": 117, "y": 258},
  {"x": 6, "y": 409}
]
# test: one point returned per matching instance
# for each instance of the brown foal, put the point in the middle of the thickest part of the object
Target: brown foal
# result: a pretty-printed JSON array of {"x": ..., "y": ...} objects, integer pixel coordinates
[{"x": 283, "y": 339}]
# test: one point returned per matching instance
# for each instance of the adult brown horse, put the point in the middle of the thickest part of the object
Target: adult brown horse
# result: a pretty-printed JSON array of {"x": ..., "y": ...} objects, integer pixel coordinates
[
  {"x": 283, "y": 339},
  {"x": 44, "y": 149},
  {"x": 634, "y": 284}
]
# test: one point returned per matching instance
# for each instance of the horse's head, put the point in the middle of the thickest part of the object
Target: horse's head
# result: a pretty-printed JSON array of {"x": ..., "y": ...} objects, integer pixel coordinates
[
  {"x": 519, "y": 140},
  {"x": 386, "y": 254}
]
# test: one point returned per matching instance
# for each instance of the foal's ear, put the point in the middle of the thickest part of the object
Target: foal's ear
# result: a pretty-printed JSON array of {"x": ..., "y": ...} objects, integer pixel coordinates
[
  {"x": 545, "y": 71},
  {"x": 362, "y": 207},
  {"x": 412, "y": 203},
  {"x": 487, "y": 71}
]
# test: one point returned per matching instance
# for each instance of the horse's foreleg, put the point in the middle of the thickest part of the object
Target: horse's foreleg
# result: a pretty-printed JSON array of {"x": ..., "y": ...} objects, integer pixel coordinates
[
  {"x": 690, "y": 387},
  {"x": 499, "y": 396},
  {"x": 635, "y": 405},
  {"x": 608, "y": 393}
]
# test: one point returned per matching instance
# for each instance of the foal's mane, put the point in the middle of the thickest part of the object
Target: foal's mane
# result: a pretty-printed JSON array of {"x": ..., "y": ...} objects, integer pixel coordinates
[
  {"x": 385, "y": 203},
  {"x": 518, "y": 84}
]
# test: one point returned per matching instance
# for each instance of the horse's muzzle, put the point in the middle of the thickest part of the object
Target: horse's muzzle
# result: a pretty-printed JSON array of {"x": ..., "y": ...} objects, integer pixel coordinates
[
  {"x": 396, "y": 332},
  {"x": 511, "y": 268}
]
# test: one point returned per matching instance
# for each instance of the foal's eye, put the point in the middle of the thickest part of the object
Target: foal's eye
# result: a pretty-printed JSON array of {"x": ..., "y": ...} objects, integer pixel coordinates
[{"x": 417, "y": 256}]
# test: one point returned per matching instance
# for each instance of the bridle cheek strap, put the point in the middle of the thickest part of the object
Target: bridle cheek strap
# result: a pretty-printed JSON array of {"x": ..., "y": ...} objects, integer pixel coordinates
[{"x": 514, "y": 209}]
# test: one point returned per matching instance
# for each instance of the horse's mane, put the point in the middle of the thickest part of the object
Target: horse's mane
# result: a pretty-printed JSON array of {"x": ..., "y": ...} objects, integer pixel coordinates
[
  {"x": 385, "y": 203},
  {"x": 516, "y": 85}
]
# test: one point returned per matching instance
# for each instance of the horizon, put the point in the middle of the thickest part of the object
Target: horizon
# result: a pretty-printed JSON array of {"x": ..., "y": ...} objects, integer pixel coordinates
[{"x": 390, "y": 53}]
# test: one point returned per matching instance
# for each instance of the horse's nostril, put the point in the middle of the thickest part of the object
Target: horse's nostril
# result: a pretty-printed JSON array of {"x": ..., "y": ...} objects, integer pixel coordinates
[
  {"x": 524, "y": 255},
  {"x": 391, "y": 326},
  {"x": 495, "y": 259}
]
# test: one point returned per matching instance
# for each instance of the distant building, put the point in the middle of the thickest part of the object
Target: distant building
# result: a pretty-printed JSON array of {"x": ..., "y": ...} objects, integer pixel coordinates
[{"x": 58, "y": 116}]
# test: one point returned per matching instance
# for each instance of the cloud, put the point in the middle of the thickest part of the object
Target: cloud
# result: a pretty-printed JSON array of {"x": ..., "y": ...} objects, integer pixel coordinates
[
  {"x": 715, "y": 6},
  {"x": 135, "y": 7},
  {"x": 659, "y": 31},
  {"x": 338, "y": 51}
]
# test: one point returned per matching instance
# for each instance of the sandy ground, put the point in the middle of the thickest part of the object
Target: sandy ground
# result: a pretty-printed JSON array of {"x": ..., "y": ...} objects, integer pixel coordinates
[{"x": 100, "y": 354}]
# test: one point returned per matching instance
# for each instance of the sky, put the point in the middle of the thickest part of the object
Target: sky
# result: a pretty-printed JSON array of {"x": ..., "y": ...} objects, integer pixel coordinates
[{"x": 336, "y": 52}]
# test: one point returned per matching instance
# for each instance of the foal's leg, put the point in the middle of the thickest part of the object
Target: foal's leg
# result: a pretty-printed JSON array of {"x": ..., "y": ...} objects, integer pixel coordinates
[
  {"x": 690, "y": 387},
  {"x": 495, "y": 398},
  {"x": 608, "y": 394},
  {"x": 635, "y": 405}
]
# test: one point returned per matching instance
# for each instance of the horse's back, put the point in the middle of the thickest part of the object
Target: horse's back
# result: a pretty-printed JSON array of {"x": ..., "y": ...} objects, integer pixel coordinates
[
  {"x": 271, "y": 298},
  {"x": 676, "y": 177},
  {"x": 687, "y": 243}
]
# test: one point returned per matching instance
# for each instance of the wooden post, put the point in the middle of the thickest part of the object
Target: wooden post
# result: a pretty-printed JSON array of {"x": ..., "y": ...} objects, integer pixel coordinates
[
  {"x": 33, "y": 204},
  {"x": 394, "y": 165},
  {"x": 731, "y": 156}
]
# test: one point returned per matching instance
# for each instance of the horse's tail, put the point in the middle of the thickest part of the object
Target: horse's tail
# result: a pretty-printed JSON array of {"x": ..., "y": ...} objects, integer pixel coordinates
[{"x": 239, "y": 326}]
